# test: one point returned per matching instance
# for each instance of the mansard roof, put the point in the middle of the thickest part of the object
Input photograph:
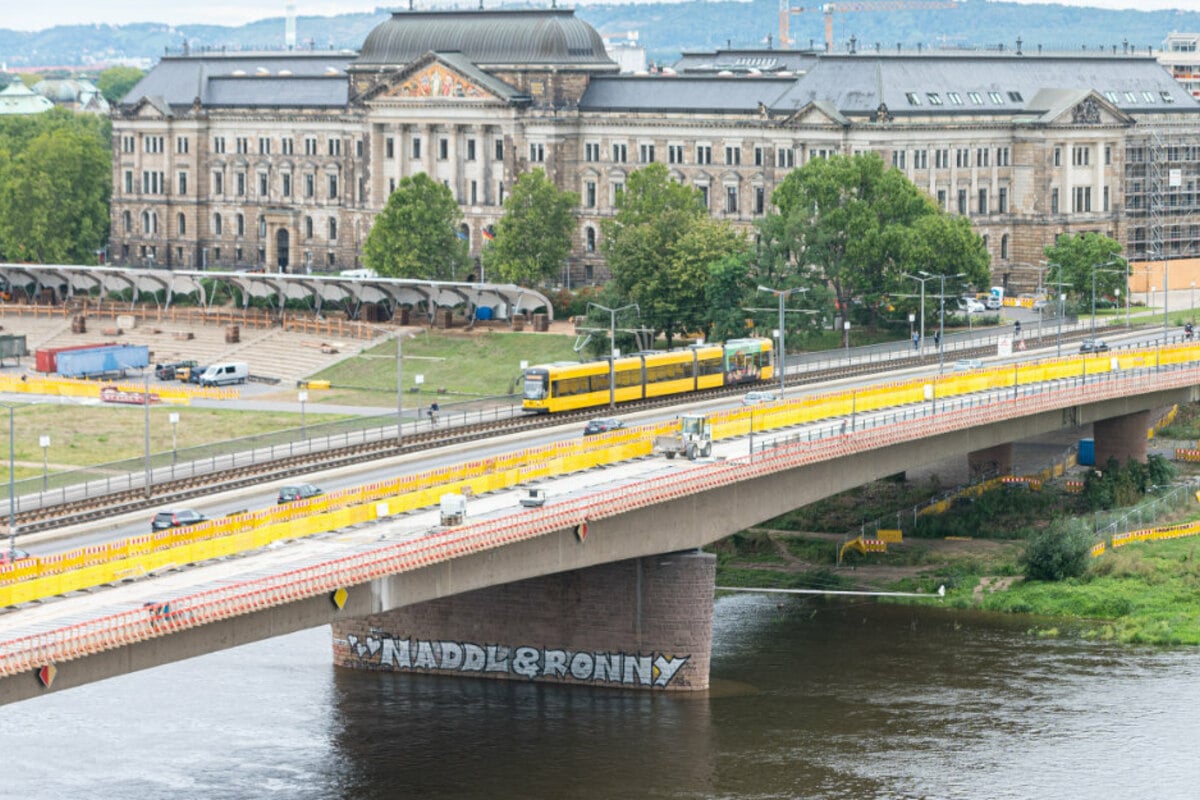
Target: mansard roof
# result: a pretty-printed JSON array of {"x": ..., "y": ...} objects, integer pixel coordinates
[
  {"x": 682, "y": 94},
  {"x": 280, "y": 80},
  {"x": 487, "y": 37}
]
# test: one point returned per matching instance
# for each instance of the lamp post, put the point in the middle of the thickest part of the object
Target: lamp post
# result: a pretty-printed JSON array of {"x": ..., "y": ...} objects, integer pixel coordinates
[
  {"x": 922, "y": 281},
  {"x": 303, "y": 397},
  {"x": 942, "y": 316},
  {"x": 419, "y": 380},
  {"x": 1098, "y": 268},
  {"x": 399, "y": 392},
  {"x": 44, "y": 442},
  {"x": 1061, "y": 301},
  {"x": 782, "y": 294},
  {"x": 612, "y": 348},
  {"x": 146, "y": 415},
  {"x": 12, "y": 482}
]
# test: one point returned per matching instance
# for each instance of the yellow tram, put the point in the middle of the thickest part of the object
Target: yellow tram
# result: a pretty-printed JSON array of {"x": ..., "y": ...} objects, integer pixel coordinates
[{"x": 560, "y": 386}]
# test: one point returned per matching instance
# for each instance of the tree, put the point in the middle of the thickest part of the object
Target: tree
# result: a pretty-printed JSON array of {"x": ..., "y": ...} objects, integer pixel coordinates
[
  {"x": 659, "y": 247},
  {"x": 416, "y": 234},
  {"x": 854, "y": 222},
  {"x": 1074, "y": 257},
  {"x": 533, "y": 238},
  {"x": 1060, "y": 551},
  {"x": 115, "y": 82}
]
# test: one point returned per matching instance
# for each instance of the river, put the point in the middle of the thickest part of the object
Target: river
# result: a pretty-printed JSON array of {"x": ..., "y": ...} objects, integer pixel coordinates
[{"x": 809, "y": 700}]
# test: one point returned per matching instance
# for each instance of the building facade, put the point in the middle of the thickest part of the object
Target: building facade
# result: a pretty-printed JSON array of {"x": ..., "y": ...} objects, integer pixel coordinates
[{"x": 280, "y": 161}]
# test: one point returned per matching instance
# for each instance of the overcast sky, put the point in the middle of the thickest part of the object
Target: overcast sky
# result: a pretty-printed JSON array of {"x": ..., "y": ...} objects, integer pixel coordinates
[{"x": 31, "y": 16}]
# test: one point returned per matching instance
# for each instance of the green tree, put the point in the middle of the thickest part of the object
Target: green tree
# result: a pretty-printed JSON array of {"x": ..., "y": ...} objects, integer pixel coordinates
[
  {"x": 416, "y": 234},
  {"x": 533, "y": 238},
  {"x": 115, "y": 82},
  {"x": 726, "y": 291},
  {"x": 1062, "y": 550},
  {"x": 54, "y": 194},
  {"x": 1074, "y": 257},
  {"x": 858, "y": 225},
  {"x": 659, "y": 246}
]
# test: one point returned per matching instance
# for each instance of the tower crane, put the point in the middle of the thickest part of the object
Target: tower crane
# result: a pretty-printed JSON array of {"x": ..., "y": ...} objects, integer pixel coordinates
[{"x": 786, "y": 10}]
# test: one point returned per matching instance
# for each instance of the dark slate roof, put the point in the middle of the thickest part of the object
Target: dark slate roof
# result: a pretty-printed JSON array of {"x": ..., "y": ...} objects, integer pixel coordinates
[
  {"x": 858, "y": 84},
  {"x": 745, "y": 61},
  {"x": 311, "y": 80},
  {"x": 489, "y": 37},
  {"x": 679, "y": 93}
]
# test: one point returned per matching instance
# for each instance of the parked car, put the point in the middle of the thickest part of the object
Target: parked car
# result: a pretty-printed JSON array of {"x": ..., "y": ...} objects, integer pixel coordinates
[
  {"x": 1039, "y": 303},
  {"x": 190, "y": 374},
  {"x": 760, "y": 396},
  {"x": 971, "y": 306},
  {"x": 602, "y": 425},
  {"x": 1093, "y": 346},
  {"x": 299, "y": 491},
  {"x": 12, "y": 554},
  {"x": 176, "y": 518},
  {"x": 968, "y": 364},
  {"x": 167, "y": 372}
]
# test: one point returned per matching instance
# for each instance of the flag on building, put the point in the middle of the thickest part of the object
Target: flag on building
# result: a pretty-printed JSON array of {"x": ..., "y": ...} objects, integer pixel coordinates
[
  {"x": 487, "y": 234},
  {"x": 462, "y": 236}
]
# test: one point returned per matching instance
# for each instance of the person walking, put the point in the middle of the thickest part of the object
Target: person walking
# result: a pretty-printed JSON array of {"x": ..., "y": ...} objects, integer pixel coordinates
[{"x": 916, "y": 341}]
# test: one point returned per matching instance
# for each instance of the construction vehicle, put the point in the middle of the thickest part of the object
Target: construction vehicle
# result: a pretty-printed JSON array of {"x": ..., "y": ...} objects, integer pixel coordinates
[
  {"x": 693, "y": 439},
  {"x": 454, "y": 509},
  {"x": 786, "y": 9}
]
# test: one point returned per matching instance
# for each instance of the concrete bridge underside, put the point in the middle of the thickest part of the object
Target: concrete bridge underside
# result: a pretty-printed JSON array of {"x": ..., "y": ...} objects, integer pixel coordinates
[{"x": 681, "y": 524}]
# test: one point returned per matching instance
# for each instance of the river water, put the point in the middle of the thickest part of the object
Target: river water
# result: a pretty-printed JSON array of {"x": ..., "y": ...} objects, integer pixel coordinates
[{"x": 809, "y": 700}]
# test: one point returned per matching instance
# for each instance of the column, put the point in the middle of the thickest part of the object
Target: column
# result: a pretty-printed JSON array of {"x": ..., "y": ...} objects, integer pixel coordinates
[
  {"x": 1121, "y": 438},
  {"x": 991, "y": 461}
]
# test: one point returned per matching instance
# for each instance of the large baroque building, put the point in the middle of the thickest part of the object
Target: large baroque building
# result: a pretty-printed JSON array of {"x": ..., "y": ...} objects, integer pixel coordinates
[{"x": 281, "y": 160}]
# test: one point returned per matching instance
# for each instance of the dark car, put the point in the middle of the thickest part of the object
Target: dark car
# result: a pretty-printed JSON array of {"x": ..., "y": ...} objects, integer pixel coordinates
[
  {"x": 602, "y": 426},
  {"x": 193, "y": 374},
  {"x": 1093, "y": 346},
  {"x": 300, "y": 491},
  {"x": 176, "y": 518},
  {"x": 167, "y": 372}
]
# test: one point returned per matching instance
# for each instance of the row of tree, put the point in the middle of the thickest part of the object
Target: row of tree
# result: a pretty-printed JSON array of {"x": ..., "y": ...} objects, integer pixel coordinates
[{"x": 847, "y": 233}]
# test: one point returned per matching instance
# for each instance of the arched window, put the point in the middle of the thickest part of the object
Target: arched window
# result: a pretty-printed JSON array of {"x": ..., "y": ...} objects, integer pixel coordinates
[
  {"x": 127, "y": 221},
  {"x": 181, "y": 225},
  {"x": 332, "y": 228},
  {"x": 590, "y": 239},
  {"x": 241, "y": 224},
  {"x": 1004, "y": 246},
  {"x": 218, "y": 226}
]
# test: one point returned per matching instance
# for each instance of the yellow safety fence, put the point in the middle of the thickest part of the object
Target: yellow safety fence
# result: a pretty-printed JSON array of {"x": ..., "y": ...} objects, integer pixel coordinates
[
  {"x": 74, "y": 387},
  {"x": 102, "y": 564}
]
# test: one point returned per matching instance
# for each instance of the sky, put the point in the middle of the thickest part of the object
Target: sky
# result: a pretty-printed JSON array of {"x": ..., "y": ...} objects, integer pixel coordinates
[{"x": 31, "y": 16}]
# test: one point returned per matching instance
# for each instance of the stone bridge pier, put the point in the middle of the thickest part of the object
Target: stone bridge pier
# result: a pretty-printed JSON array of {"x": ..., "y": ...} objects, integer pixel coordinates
[
  {"x": 991, "y": 461},
  {"x": 1122, "y": 438},
  {"x": 642, "y": 623}
]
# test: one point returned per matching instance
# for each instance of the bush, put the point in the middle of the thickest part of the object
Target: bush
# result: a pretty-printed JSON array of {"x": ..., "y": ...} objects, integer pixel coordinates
[{"x": 1061, "y": 551}]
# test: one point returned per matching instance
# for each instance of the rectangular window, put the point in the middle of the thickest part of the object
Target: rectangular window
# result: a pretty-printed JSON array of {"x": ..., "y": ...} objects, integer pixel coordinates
[
  {"x": 1002, "y": 200},
  {"x": 733, "y": 155},
  {"x": 181, "y": 145},
  {"x": 264, "y": 146},
  {"x": 619, "y": 153},
  {"x": 962, "y": 158},
  {"x": 287, "y": 146},
  {"x": 674, "y": 154},
  {"x": 731, "y": 199},
  {"x": 1003, "y": 156},
  {"x": 1081, "y": 156},
  {"x": 443, "y": 148},
  {"x": 1083, "y": 199},
  {"x": 218, "y": 144},
  {"x": 996, "y": 98},
  {"x": 1058, "y": 156},
  {"x": 962, "y": 202},
  {"x": 589, "y": 194},
  {"x": 1107, "y": 154},
  {"x": 181, "y": 184},
  {"x": 127, "y": 144},
  {"x": 239, "y": 183},
  {"x": 704, "y": 154},
  {"x": 287, "y": 184},
  {"x": 243, "y": 145},
  {"x": 358, "y": 148},
  {"x": 416, "y": 147},
  {"x": 981, "y": 156},
  {"x": 537, "y": 152},
  {"x": 941, "y": 199},
  {"x": 333, "y": 187},
  {"x": 389, "y": 148},
  {"x": 785, "y": 157},
  {"x": 474, "y": 193},
  {"x": 703, "y": 195},
  {"x": 646, "y": 153},
  {"x": 983, "y": 201},
  {"x": 1054, "y": 201},
  {"x": 955, "y": 98},
  {"x": 759, "y": 158},
  {"x": 898, "y": 158},
  {"x": 1105, "y": 199},
  {"x": 975, "y": 98},
  {"x": 920, "y": 159},
  {"x": 332, "y": 229},
  {"x": 499, "y": 150},
  {"x": 218, "y": 183},
  {"x": 935, "y": 99},
  {"x": 310, "y": 145},
  {"x": 470, "y": 149},
  {"x": 263, "y": 184},
  {"x": 941, "y": 159},
  {"x": 310, "y": 185},
  {"x": 760, "y": 200},
  {"x": 128, "y": 181},
  {"x": 335, "y": 147},
  {"x": 591, "y": 151}
]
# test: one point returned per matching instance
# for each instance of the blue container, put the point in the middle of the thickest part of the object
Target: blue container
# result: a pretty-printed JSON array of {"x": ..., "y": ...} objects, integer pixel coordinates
[
  {"x": 483, "y": 313},
  {"x": 111, "y": 360},
  {"x": 1087, "y": 452}
]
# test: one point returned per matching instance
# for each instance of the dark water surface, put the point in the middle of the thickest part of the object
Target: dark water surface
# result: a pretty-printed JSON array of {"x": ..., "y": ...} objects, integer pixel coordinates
[{"x": 808, "y": 701}]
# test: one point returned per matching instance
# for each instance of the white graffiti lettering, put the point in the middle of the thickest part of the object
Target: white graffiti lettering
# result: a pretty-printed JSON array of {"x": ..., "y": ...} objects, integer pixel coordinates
[{"x": 657, "y": 670}]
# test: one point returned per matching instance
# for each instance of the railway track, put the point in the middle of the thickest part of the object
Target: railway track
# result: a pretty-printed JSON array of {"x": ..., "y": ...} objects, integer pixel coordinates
[{"x": 172, "y": 492}]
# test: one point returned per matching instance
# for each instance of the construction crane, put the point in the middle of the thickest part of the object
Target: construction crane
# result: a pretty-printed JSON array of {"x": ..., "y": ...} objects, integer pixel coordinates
[{"x": 786, "y": 10}]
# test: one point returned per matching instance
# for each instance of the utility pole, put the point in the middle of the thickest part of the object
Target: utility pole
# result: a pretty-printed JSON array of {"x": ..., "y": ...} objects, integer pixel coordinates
[{"x": 782, "y": 294}]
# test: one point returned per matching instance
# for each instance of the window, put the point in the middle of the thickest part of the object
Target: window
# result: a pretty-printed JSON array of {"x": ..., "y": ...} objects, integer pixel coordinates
[
  {"x": 913, "y": 98},
  {"x": 264, "y": 184},
  {"x": 1081, "y": 156},
  {"x": 733, "y": 155},
  {"x": 286, "y": 180},
  {"x": 310, "y": 185},
  {"x": 181, "y": 145},
  {"x": 128, "y": 181},
  {"x": 389, "y": 148},
  {"x": 920, "y": 159},
  {"x": 474, "y": 193},
  {"x": 181, "y": 225},
  {"x": 703, "y": 195},
  {"x": 618, "y": 188},
  {"x": 218, "y": 144},
  {"x": 149, "y": 222},
  {"x": 981, "y": 156},
  {"x": 731, "y": 199},
  {"x": 785, "y": 157},
  {"x": 704, "y": 154},
  {"x": 674, "y": 154},
  {"x": 308, "y": 227},
  {"x": 962, "y": 157},
  {"x": 1107, "y": 154},
  {"x": 264, "y": 146},
  {"x": 443, "y": 148},
  {"x": 358, "y": 148},
  {"x": 240, "y": 225},
  {"x": 955, "y": 98},
  {"x": 1058, "y": 156},
  {"x": 996, "y": 98},
  {"x": 499, "y": 150},
  {"x": 589, "y": 235},
  {"x": 1015, "y": 97},
  {"x": 333, "y": 186},
  {"x": 470, "y": 149},
  {"x": 983, "y": 201},
  {"x": 243, "y": 145},
  {"x": 646, "y": 153},
  {"x": 1003, "y": 157},
  {"x": 181, "y": 184},
  {"x": 898, "y": 158},
  {"x": 1105, "y": 199},
  {"x": 335, "y": 147},
  {"x": 589, "y": 194},
  {"x": 126, "y": 221},
  {"x": 153, "y": 182},
  {"x": 935, "y": 99},
  {"x": 1148, "y": 96},
  {"x": 537, "y": 152},
  {"x": 153, "y": 144},
  {"x": 287, "y": 146},
  {"x": 760, "y": 200},
  {"x": 591, "y": 151},
  {"x": 1167, "y": 97},
  {"x": 1054, "y": 200},
  {"x": 218, "y": 182},
  {"x": 1002, "y": 200},
  {"x": 416, "y": 147},
  {"x": 239, "y": 183},
  {"x": 941, "y": 199},
  {"x": 620, "y": 153},
  {"x": 128, "y": 144},
  {"x": 332, "y": 229},
  {"x": 941, "y": 158},
  {"x": 975, "y": 98},
  {"x": 962, "y": 201},
  {"x": 1083, "y": 199},
  {"x": 1004, "y": 245},
  {"x": 218, "y": 224}
]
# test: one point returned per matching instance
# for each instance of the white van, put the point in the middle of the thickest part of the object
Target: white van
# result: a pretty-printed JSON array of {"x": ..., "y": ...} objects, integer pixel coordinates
[{"x": 220, "y": 374}]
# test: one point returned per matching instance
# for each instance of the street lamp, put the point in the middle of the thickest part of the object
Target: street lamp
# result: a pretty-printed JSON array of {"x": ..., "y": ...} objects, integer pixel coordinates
[
  {"x": 146, "y": 438},
  {"x": 922, "y": 281},
  {"x": 303, "y": 396},
  {"x": 399, "y": 392},
  {"x": 612, "y": 348},
  {"x": 44, "y": 442},
  {"x": 12, "y": 482},
  {"x": 173, "y": 418},
  {"x": 1098, "y": 268},
  {"x": 1061, "y": 300},
  {"x": 782, "y": 294},
  {"x": 942, "y": 318}
]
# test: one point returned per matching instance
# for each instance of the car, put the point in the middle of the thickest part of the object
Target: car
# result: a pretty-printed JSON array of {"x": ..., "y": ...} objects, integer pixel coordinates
[
  {"x": 756, "y": 397},
  {"x": 1039, "y": 303},
  {"x": 1093, "y": 346},
  {"x": 602, "y": 426},
  {"x": 972, "y": 306},
  {"x": 299, "y": 491},
  {"x": 167, "y": 372},
  {"x": 968, "y": 364},
  {"x": 12, "y": 554},
  {"x": 176, "y": 518}
]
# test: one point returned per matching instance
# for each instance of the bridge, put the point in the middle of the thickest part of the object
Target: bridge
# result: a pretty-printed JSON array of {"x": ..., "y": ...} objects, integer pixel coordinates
[{"x": 602, "y": 585}]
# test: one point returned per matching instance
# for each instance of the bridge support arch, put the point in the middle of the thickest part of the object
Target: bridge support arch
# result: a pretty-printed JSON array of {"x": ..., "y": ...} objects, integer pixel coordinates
[
  {"x": 642, "y": 623},
  {"x": 991, "y": 461},
  {"x": 1122, "y": 438}
]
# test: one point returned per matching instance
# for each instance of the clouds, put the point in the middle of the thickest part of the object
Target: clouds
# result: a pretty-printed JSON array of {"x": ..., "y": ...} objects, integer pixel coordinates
[{"x": 31, "y": 17}]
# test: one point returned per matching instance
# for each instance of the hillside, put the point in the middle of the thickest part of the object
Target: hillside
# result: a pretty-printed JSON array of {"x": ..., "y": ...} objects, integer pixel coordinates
[{"x": 665, "y": 30}]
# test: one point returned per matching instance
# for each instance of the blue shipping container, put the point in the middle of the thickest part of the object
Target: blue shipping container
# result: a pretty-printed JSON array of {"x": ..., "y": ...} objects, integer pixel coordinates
[
  {"x": 483, "y": 313},
  {"x": 1087, "y": 452},
  {"x": 111, "y": 360}
]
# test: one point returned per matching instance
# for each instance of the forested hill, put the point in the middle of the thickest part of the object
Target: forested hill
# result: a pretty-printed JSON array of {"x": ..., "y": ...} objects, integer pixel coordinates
[{"x": 665, "y": 30}]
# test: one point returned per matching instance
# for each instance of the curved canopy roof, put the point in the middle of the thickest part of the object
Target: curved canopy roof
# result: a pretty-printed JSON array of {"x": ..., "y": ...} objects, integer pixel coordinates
[{"x": 318, "y": 289}]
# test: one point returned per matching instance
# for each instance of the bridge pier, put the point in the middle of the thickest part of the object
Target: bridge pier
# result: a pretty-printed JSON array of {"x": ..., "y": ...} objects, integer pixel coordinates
[
  {"x": 1121, "y": 437},
  {"x": 991, "y": 461},
  {"x": 642, "y": 623}
]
